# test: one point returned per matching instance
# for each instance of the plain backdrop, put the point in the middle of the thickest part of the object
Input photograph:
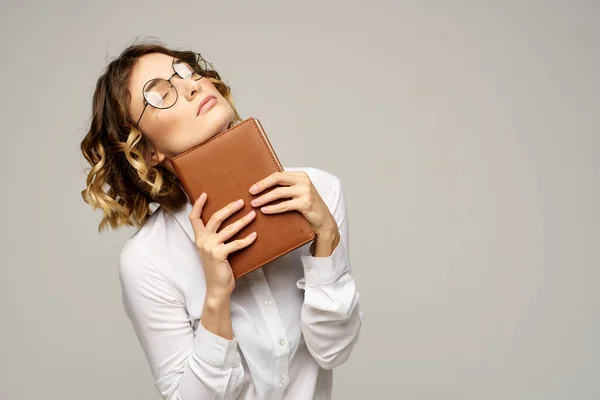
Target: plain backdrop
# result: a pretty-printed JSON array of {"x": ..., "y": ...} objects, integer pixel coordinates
[{"x": 466, "y": 137}]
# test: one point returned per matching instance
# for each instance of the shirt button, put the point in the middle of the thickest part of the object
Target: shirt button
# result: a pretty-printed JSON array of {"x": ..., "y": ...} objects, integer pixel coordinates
[
  {"x": 307, "y": 267},
  {"x": 268, "y": 303},
  {"x": 282, "y": 380},
  {"x": 281, "y": 342}
]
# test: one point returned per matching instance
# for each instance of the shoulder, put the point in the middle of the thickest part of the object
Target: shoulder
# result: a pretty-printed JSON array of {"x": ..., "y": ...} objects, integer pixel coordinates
[
  {"x": 160, "y": 256},
  {"x": 135, "y": 256}
]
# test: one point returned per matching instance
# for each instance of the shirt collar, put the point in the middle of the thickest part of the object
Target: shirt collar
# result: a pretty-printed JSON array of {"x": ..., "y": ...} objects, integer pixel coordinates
[{"x": 183, "y": 218}]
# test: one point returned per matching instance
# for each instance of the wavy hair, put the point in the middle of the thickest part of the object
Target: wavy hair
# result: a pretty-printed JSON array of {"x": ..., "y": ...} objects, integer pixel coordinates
[{"x": 121, "y": 181}]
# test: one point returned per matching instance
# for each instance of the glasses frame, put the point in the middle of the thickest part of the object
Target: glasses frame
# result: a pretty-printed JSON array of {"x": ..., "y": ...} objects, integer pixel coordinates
[{"x": 196, "y": 70}]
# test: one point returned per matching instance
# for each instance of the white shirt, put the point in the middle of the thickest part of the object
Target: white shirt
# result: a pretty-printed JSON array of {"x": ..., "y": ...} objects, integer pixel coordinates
[{"x": 293, "y": 320}]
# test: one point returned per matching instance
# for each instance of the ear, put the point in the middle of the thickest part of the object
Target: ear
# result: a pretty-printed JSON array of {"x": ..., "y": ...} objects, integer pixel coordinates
[{"x": 156, "y": 158}]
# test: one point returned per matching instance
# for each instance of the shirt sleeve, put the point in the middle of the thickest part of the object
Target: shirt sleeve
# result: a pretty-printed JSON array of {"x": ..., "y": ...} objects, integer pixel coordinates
[
  {"x": 331, "y": 316},
  {"x": 185, "y": 364}
]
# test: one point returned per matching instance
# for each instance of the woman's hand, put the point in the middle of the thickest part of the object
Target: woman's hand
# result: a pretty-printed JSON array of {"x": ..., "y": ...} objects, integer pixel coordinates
[
  {"x": 304, "y": 198},
  {"x": 213, "y": 252}
]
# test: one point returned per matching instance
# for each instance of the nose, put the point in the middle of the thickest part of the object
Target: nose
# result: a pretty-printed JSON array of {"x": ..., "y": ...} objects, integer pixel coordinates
[{"x": 191, "y": 87}]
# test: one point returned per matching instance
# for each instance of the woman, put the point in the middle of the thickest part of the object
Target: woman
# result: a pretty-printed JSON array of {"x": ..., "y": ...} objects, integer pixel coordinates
[{"x": 275, "y": 333}]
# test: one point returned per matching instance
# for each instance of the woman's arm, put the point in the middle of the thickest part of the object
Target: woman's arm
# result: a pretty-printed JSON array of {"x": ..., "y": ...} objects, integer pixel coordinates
[
  {"x": 184, "y": 364},
  {"x": 331, "y": 316}
]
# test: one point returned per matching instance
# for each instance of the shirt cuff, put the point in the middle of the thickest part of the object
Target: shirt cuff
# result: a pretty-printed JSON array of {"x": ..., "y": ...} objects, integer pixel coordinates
[
  {"x": 215, "y": 349},
  {"x": 322, "y": 270}
]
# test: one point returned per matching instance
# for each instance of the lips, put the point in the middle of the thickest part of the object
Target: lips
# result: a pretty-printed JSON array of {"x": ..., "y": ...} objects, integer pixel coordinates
[{"x": 204, "y": 101}]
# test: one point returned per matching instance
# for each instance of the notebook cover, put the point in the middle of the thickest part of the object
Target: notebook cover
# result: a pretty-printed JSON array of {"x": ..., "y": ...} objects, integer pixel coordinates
[{"x": 225, "y": 167}]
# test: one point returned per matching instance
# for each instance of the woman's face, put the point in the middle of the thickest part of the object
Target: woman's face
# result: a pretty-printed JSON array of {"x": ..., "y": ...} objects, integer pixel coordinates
[{"x": 176, "y": 129}]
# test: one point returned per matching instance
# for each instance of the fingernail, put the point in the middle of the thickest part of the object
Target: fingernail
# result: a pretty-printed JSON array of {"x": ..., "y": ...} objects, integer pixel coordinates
[
  {"x": 240, "y": 202},
  {"x": 253, "y": 189}
]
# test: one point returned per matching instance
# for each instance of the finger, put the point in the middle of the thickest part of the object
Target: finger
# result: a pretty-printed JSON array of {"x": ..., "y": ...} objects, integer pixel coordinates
[
  {"x": 219, "y": 216},
  {"x": 283, "y": 178},
  {"x": 240, "y": 243},
  {"x": 278, "y": 193},
  {"x": 294, "y": 204},
  {"x": 232, "y": 229},
  {"x": 196, "y": 213}
]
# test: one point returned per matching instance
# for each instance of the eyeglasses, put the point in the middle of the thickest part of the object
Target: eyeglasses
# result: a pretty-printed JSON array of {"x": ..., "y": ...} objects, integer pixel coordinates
[{"x": 160, "y": 93}]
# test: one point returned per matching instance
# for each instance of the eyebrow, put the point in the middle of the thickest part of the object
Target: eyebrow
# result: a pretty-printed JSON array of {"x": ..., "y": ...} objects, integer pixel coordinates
[{"x": 151, "y": 85}]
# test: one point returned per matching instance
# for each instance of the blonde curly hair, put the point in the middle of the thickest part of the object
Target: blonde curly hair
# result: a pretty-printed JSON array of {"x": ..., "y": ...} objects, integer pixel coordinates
[{"x": 121, "y": 181}]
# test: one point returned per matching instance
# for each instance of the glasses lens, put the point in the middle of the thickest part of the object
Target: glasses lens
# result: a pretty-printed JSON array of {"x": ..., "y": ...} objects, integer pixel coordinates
[
  {"x": 183, "y": 69},
  {"x": 188, "y": 66},
  {"x": 202, "y": 63},
  {"x": 160, "y": 93}
]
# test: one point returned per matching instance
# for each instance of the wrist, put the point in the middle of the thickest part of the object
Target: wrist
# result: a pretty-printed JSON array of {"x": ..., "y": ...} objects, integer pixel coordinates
[
  {"x": 325, "y": 244},
  {"x": 216, "y": 316},
  {"x": 328, "y": 231},
  {"x": 216, "y": 300}
]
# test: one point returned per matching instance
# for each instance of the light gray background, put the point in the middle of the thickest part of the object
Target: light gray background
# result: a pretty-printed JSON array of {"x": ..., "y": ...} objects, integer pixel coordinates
[{"x": 465, "y": 135}]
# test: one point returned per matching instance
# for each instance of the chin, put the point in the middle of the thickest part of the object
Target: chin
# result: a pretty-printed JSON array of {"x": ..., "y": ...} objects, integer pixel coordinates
[
  {"x": 214, "y": 121},
  {"x": 220, "y": 118}
]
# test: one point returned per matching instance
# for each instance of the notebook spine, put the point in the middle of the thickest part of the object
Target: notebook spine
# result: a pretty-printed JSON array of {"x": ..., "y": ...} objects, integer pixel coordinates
[
  {"x": 183, "y": 182},
  {"x": 270, "y": 147}
]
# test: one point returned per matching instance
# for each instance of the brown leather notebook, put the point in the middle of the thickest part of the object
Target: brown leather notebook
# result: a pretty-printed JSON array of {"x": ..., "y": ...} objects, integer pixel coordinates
[{"x": 225, "y": 167}]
